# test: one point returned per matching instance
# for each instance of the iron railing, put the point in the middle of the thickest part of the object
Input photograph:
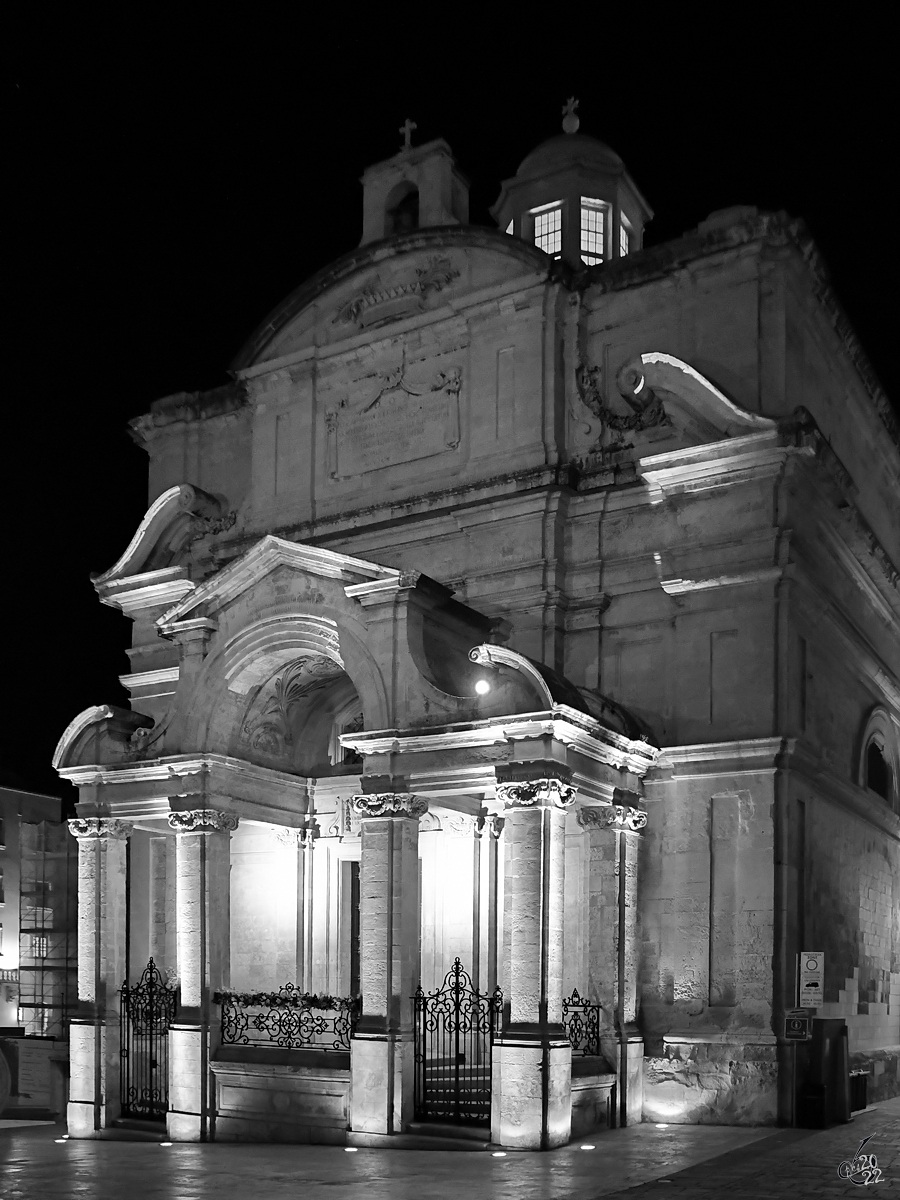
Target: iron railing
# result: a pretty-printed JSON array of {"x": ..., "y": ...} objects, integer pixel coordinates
[
  {"x": 146, "y": 1010},
  {"x": 288, "y": 1018},
  {"x": 455, "y": 1027},
  {"x": 582, "y": 1023}
]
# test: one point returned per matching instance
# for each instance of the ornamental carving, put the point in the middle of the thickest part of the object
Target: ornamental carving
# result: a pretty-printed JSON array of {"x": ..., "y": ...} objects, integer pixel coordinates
[
  {"x": 202, "y": 820},
  {"x": 269, "y": 727},
  {"x": 376, "y": 303},
  {"x": 492, "y": 824},
  {"x": 615, "y": 816},
  {"x": 389, "y": 804},
  {"x": 542, "y": 792},
  {"x": 99, "y": 827},
  {"x": 646, "y": 407}
]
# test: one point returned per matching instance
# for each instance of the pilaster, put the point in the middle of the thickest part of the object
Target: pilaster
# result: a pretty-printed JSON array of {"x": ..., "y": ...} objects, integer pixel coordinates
[
  {"x": 532, "y": 1061},
  {"x": 614, "y": 836},
  {"x": 382, "y": 1063},
  {"x": 202, "y": 919},
  {"x": 94, "y": 1056}
]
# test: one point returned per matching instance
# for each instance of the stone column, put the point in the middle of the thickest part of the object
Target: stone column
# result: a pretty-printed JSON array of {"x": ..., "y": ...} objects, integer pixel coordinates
[
  {"x": 202, "y": 908},
  {"x": 614, "y": 834},
  {"x": 382, "y": 1066},
  {"x": 532, "y": 1061},
  {"x": 94, "y": 1033}
]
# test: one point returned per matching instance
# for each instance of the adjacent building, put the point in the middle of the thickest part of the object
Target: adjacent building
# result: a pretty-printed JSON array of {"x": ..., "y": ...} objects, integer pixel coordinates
[{"x": 515, "y": 688}]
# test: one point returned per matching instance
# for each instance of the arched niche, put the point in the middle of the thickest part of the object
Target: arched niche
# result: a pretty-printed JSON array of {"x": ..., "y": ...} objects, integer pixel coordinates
[
  {"x": 300, "y": 679},
  {"x": 879, "y": 757},
  {"x": 401, "y": 210}
]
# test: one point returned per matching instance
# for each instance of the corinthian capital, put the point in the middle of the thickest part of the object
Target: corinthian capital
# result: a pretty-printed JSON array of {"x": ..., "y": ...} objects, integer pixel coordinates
[
  {"x": 389, "y": 804},
  {"x": 99, "y": 827},
  {"x": 541, "y": 792},
  {"x": 202, "y": 820}
]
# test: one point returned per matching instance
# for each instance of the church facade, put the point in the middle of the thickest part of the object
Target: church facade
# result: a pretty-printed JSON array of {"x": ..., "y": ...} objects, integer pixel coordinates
[{"x": 515, "y": 690}]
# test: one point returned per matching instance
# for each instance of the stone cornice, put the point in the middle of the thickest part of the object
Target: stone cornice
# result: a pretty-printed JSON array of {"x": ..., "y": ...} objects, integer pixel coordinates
[
  {"x": 576, "y": 730},
  {"x": 752, "y": 757},
  {"x": 202, "y": 820},
  {"x": 388, "y": 804},
  {"x": 103, "y": 828}
]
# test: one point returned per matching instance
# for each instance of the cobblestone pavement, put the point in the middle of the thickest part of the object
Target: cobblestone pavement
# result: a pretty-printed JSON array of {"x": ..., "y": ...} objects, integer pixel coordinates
[{"x": 637, "y": 1163}]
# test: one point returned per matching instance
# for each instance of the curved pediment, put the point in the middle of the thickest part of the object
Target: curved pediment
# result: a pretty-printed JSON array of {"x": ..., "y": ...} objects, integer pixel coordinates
[{"x": 387, "y": 282}]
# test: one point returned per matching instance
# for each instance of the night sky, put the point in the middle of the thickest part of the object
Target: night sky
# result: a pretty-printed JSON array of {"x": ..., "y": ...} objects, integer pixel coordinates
[{"x": 175, "y": 173}]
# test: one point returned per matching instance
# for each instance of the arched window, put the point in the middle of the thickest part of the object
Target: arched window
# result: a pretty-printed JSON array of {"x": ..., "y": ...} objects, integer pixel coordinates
[{"x": 880, "y": 753}]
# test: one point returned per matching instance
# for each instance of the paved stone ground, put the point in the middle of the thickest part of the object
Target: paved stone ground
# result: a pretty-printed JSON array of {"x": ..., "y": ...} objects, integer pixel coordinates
[{"x": 711, "y": 1162}]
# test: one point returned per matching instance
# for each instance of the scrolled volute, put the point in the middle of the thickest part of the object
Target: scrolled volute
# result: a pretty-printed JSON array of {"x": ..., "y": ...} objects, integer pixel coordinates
[
  {"x": 613, "y": 816},
  {"x": 99, "y": 827},
  {"x": 202, "y": 820},
  {"x": 389, "y": 804},
  {"x": 541, "y": 792}
]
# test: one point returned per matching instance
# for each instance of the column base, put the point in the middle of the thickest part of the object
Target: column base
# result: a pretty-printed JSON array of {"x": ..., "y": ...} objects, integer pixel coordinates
[
  {"x": 191, "y": 1116},
  {"x": 93, "y": 1087},
  {"x": 527, "y": 1111},
  {"x": 626, "y": 1052},
  {"x": 381, "y": 1083}
]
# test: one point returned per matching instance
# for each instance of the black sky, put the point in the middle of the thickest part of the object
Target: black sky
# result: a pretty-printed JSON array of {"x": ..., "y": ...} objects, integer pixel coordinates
[{"x": 173, "y": 173}]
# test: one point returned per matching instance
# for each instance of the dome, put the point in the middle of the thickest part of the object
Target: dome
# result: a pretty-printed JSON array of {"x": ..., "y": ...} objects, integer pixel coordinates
[{"x": 566, "y": 149}]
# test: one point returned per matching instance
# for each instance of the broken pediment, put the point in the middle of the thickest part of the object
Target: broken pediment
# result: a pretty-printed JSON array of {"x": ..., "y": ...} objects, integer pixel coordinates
[{"x": 661, "y": 401}]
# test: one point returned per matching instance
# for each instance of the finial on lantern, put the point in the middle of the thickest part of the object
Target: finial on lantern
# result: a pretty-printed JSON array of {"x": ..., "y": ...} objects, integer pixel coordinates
[{"x": 570, "y": 119}]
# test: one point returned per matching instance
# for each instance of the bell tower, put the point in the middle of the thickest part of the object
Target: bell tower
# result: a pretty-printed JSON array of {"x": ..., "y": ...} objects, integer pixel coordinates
[
  {"x": 574, "y": 199},
  {"x": 418, "y": 188}
]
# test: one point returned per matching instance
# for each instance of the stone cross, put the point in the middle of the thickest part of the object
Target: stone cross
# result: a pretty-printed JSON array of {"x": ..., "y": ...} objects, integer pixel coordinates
[{"x": 407, "y": 130}]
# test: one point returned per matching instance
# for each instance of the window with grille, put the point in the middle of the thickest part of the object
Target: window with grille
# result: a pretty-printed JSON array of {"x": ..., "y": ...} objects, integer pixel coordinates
[
  {"x": 40, "y": 945},
  {"x": 510, "y": 227},
  {"x": 624, "y": 239},
  {"x": 593, "y": 230},
  {"x": 548, "y": 228}
]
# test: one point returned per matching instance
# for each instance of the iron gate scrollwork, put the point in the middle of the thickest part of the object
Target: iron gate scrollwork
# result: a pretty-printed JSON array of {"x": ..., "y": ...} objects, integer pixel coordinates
[
  {"x": 455, "y": 1027},
  {"x": 146, "y": 1010}
]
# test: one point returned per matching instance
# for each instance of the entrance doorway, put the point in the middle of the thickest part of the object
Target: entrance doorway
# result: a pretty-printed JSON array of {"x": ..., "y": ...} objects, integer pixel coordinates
[
  {"x": 146, "y": 1010},
  {"x": 455, "y": 1027}
]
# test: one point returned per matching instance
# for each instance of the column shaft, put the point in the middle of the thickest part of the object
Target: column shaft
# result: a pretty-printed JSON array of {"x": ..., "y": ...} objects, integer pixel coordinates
[
  {"x": 202, "y": 903},
  {"x": 382, "y": 1048},
  {"x": 94, "y": 1100}
]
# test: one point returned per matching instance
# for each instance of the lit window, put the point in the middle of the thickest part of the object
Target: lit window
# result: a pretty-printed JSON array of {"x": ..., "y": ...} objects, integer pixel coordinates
[
  {"x": 548, "y": 228},
  {"x": 509, "y": 228},
  {"x": 1, "y": 886},
  {"x": 593, "y": 230},
  {"x": 1, "y": 939},
  {"x": 624, "y": 239},
  {"x": 40, "y": 945}
]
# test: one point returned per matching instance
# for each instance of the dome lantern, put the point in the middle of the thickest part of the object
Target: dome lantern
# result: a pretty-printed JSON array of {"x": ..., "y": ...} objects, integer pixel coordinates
[{"x": 573, "y": 198}]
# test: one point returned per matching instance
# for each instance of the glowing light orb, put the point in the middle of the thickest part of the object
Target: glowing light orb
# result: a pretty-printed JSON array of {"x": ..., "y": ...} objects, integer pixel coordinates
[
  {"x": 498, "y": 1154},
  {"x": 662, "y": 1127},
  {"x": 482, "y": 687},
  {"x": 350, "y": 1149}
]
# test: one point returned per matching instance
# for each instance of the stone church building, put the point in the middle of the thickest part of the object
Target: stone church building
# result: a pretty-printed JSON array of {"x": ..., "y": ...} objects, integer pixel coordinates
[{"x": 515, "y": 689}]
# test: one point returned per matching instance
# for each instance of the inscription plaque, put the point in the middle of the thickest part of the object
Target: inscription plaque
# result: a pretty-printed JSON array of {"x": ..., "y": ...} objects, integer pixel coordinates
[{"x": 404, "y": 422}]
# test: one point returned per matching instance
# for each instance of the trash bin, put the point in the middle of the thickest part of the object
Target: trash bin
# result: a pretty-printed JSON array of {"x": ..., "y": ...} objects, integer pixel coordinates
[{"x": 859, "y": 1089}]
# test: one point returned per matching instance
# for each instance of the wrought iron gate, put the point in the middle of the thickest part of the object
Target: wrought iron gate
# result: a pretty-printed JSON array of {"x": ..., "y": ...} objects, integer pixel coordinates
[
  {"x": 146, "y": 1010},
  {"x": 455, "y": 1027}
]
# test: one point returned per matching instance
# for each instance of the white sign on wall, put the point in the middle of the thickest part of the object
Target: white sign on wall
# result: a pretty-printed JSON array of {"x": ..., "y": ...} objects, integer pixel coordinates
[{"x": 812, "y": 978}]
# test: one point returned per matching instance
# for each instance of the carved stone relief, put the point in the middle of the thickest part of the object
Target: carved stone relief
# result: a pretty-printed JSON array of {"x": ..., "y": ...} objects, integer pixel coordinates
[
  {"x": 552, "y": 792},
  {"x": 99, "y": 827},
  {"x": 399, "y": 415},
  {"x": 615, "y": 816},
  {"x": 268, "y": 725},
  {"x": 389, "y": 804},
  {"x": 379, "y": 301},
  {"x": 202, "y": 820}
]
